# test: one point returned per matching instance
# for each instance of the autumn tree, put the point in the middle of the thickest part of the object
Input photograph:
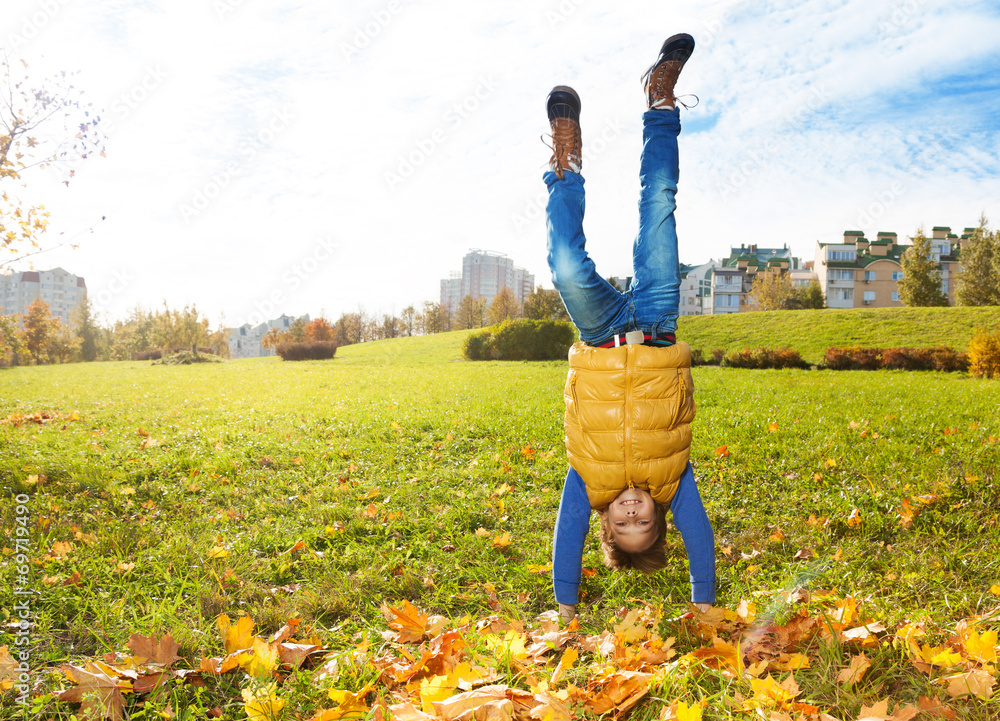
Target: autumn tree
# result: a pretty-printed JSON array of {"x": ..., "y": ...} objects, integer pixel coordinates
[
  {"x": 773, "y": 290},
  {"x": 273, "y": 338},
  {"x": 132, "y": 335},
  {"x": 471, "y": 313},
  {"x": 435, "y": 318},
  {"x": 392, "y": 327},
  {"x": 348, "y": 329},
  {"x": 39, "y": 327},
  {"x": 12, "y": 350},
  {"x": 319, "y": 329},
  {"x": 408, "y": 320},
  {"x": 39, "y": 125},
  {"x": 542, "y": 304},
  {"x": 503, "y": 307},
  {"x": 921, "y": 283},
  {"x": 978, "y": 281}
]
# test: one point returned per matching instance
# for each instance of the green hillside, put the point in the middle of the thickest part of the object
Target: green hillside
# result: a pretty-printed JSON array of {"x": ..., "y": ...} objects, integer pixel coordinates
[{"x": 811, "y": 332}]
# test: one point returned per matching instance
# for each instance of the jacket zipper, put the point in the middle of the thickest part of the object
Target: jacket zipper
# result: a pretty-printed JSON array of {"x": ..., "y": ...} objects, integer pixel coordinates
[
  {"x": 682, "y": 398},
  {"x": 629, "y": 358}
]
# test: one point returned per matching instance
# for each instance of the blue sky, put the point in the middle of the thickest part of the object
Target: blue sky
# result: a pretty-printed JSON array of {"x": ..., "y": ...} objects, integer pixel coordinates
[{"x": 308, "y": 156}]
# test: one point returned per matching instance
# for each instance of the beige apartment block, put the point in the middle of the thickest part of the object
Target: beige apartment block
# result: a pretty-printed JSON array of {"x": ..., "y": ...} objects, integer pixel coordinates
[{"x": 862, "y": 273}]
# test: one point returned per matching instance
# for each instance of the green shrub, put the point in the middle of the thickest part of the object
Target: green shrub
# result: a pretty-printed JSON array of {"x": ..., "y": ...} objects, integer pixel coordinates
[
  {"x": 521, "y": 340},
  {"x": 314, "y": 350},
  {"x": 984, "y": 354}
]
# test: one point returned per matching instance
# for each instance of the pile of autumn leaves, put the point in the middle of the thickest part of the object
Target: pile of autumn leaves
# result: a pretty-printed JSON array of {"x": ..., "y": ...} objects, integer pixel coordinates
[{"x": 426, "y": 670}]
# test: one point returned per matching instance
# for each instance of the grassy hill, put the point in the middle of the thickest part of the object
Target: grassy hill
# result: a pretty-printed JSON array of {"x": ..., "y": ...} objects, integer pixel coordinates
[{"x": 811, "y": 332}]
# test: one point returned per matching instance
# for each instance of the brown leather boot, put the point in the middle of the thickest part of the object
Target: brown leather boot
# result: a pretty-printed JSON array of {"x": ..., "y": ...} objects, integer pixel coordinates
[
  {"x": 563, "y": 108},
  {"x": 662, "y": 75}
]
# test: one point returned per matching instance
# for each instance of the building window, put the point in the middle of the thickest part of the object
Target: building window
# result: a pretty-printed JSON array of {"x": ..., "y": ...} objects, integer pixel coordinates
[
  {"x": 869, "y": 275},
  {"x": 869, "y": 296},
  {"x": 839, "y": 274},
  {"x": 944, "y": 286},
  {"x": 895, "y": 296},
  {"x": 897, "y": 275},
  {"x": 841, "y": 255},
  {"x": 843, "y": 293}
]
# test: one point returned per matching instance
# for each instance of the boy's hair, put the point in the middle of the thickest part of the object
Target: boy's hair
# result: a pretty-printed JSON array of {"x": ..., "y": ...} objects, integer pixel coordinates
[{"x": 652, "y": 559}]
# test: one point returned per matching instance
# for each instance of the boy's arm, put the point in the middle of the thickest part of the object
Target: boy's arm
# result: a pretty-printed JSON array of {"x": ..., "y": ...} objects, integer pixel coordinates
[
  {"x": 699, "y": 540},
  {"x": 572, "y": 524}
]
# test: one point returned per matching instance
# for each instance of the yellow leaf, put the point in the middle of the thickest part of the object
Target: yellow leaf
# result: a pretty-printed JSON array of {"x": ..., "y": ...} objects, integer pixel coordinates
[
  {"x": 542, "y": 569},
  {"x": 565, "y": 663},
  {"x": 722, "y": 451},
  {"x": 772, "y": 428},
  {"x": 264, "y": 661},
  {"x": 982, "y": 648},
  {"x": 435, "y": 688},
  {"x": 831, "y": 462},
  {"x": 501, "y": 540},
  {"x": 482, "y": 531},
  {"x": 262, "y": 704},
  {"x": 688, "y": 713},
  {"x": 777, "y": 536},
  {"x": 995, "y": 589},
  {"x": 854, "y": 520},
  {"x": 216, "y": 552},
  {"x": 236, "y": 637}
]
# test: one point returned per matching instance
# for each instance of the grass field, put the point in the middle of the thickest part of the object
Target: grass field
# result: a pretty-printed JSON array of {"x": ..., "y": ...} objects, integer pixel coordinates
[
  {"x": 811, "y": 332},
  {"x": 321, "y": 490}
]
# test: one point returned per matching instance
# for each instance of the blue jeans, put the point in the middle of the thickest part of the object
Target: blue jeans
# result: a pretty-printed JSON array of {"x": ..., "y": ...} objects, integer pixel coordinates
[{"x": 650, "y": 303}]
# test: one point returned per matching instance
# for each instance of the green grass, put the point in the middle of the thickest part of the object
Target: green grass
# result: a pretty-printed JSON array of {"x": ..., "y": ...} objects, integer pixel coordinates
[
  {"x": 386, "y": 460},
  {"x": 811, "y": 332}
]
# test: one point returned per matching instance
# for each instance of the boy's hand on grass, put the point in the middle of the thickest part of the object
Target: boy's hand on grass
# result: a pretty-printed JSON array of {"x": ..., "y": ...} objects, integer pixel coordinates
[{"x": 567, "y": 612}]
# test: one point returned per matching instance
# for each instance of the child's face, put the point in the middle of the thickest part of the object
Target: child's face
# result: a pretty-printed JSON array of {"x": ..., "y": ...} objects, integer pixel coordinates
[{"x": 631, "y": 516}]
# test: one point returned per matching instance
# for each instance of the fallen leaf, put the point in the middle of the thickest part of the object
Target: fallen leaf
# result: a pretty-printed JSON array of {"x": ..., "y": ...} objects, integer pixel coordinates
[
  {"x": 976, "y": 682},
  {"x": 722, "y": 451},
  {"x": 95, "y": 691},
  {"x": 147, "y": 649},
  {"x": 501, "y": 540},
  {"x": 238, "y": 636},
  {"x": 854, "y": 520},
  {"x": 855, "y": 671}
]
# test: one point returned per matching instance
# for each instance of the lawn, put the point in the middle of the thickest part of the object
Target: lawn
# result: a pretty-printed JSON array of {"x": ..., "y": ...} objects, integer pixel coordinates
[{"x": 161, "y": 497}]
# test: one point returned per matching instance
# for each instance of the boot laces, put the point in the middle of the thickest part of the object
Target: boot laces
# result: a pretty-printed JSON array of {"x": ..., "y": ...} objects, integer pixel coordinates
[{"x": 566, "y": 146}]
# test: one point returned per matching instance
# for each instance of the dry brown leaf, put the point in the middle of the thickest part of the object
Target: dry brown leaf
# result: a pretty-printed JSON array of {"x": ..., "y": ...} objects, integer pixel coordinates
[
  {"x": 855, "y": 671},
  {"x": 620, "y": 692},
  {"x": 95, "y": 691},
  {"x": 976, "y": 682},
  {"x": 148, "y": 650}
]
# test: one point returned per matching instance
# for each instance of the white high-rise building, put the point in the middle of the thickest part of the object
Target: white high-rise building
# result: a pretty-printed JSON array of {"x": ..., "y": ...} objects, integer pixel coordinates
[
  {"x": 60, "y": 289},
  {"x": 483, "y": 274}
]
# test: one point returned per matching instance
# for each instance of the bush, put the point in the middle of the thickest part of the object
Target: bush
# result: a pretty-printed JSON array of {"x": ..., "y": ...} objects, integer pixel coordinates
[
  {"x": 907, "y": 359},
  {"x": 147, "y": 355},
  {"x": 852, "y": 358},
  {"x": 521, "y": 340},
  {"x": 764, "y": 358},
  {"x": 717, "y": 355},
  {"x": 984, "y": 354},
  {"x": 309, "y": 350}
]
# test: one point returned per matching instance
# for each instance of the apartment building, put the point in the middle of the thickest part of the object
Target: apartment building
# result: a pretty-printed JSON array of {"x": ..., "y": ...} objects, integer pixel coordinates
[
  {"x": 247, "y": 340},
  {"x": 60, "y": 289},
  {"x": 483, "y": 274},
  {"x": 732, "y": 279},
  {"x": 859, "y": 273},
  {"x": 696, "y": 288}
]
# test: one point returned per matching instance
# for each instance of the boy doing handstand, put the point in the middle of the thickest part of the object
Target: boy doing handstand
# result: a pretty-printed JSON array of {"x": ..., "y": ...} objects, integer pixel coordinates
[{"x": 629, "y": 394}]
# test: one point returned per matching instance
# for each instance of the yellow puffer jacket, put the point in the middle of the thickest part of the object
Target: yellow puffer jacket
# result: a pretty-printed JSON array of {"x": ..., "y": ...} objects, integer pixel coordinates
[{"x": 628, "y": 418}]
